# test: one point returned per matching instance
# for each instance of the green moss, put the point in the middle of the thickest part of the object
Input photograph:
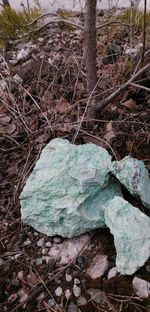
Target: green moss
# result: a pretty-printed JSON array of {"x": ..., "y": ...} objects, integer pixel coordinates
[{"x": 14, "y": 25}]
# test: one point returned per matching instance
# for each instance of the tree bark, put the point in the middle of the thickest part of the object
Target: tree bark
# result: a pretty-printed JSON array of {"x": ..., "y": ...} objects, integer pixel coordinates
[
  {"x": 6, "y": 3},
  {"x": 90, "y": 44}
]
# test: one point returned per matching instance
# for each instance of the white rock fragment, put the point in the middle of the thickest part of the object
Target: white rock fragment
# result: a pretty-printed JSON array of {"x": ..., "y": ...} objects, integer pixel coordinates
[
  {"x": 41, "y": 242},
  {"x": 76, "y": 281},
  {"x": 20, "y": 275},
  {"x": 81, "y": 301},
  {"x": 38, "y": 261},
  {"x": 112, "y": 273},
  {"x": 22, "y": 295},
  {"x": 58, "y": 291},
  {"x": 27, "y": 242},
  {"x": 48, "y": 244},
  {"x": 141, "y": 287},
  {"x": 76, "y": 291},
  {"x": 98, "y": 266},
  {"x": 68, "y": 294},
  {"x": 68, "y": 278}
]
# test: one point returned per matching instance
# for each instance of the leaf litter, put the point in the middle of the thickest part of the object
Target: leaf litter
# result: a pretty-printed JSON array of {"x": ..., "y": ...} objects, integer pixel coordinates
[{"x": 48, "y": 101}]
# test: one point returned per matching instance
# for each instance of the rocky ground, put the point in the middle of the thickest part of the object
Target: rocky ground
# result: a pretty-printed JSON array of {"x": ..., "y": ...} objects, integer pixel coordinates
[{"x": 42, "y": 94}]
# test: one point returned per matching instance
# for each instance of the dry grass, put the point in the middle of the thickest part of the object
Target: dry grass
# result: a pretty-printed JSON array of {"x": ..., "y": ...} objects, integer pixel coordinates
[{"x": 14, "y": 25}]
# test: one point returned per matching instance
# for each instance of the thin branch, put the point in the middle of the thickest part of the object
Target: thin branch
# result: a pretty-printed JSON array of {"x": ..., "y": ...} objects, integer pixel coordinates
[
  {"x": 140, "y": 87},
  {"x": 104, "y": 103}
]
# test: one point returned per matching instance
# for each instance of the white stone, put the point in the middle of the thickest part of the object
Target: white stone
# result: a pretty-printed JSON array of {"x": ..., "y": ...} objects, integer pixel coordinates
[
  {"x": 58, "y": 291},
  {"x": 113, "y": 272},
  {"x": 68, "y": 278},
  {"x": 141, "y": 287},
  {"x": 68, "y": 294},
  {"x": 98, "y": 266},
  {"x": 48, "y": 244},
  {"x": 41, "y": 242},
  {"x": 76, "y": 291}
]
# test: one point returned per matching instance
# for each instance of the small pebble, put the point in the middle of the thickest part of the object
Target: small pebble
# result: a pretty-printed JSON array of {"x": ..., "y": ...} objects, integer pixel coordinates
[
  {"x": 20, "y": 275},
  {"x": 27, "y": 242},
  {"x": 68, "y": 278},
  {"x": 113, "y": 272},
  {"x": 48, "y": 244},
  {"x": 81, "y": 301},
  {"x": 141, "y": 287},
  {"x": 41, "y": 297},
  {"x": 72, "y": 307},
  {"x": 41, "y": 242},
  {"x": 76, "y": 281},
  {"x": 46, "y": 259},
  {"x": 58, "y": 291},
  {"x": 23, "y": 295},
  {"x": 38, "y": 261},
  {"x": 51, "y": 302},
  {"x": 76, "y": 291},
  {"x": 68, "y": 294},
  {"x": 44, "y": 251},
  {"x": 12, "y": 298}
]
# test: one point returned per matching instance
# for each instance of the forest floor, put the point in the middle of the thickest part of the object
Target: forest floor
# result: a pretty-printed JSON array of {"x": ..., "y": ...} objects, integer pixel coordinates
[{"x": 42, "y": 96}]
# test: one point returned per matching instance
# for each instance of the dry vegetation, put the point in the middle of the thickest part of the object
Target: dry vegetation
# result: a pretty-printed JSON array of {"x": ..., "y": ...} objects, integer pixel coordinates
[{"x": 49, "y": 100}]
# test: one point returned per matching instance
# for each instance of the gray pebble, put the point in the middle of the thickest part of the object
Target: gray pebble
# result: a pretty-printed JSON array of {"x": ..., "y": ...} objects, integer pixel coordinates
[
  {"x": 48, "y": 244},
  {"x": 68, "y": 278},
  {"x": 58, "y": 291},
  {"x": 38, "y": 261},
  {"x": 67, "y": 294},
  {"x": 72, "y": 308},
  {"x": 51, "y": 302},
  {"x": 41, "y": 242},
  {"x": 76, "y": 291}
]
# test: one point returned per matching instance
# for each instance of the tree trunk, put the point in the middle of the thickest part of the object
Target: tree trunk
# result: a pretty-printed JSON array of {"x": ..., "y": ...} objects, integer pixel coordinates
[
  {"x": 6, "y": 3},
  {"x": 90, "y": 44}
]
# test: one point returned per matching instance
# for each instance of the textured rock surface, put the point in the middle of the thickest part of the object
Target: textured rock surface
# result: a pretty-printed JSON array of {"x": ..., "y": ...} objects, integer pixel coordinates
[
  {"x": 66, "y": 192},
  {"x": 131, "y": 230},
  {"x": 133, "y": 175}
]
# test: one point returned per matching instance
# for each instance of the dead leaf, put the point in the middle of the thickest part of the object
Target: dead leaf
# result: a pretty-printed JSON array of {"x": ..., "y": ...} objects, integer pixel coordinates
[
  {"x": 110, "y": 134},
  {"x": 4, "y": 119},
  {"x": 131, "y": 105},
  {"x": 8, "y": 129},
  {"x": 62, "y": 105}
]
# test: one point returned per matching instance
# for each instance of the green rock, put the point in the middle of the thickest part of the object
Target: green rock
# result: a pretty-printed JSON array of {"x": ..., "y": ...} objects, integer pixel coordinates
[
  {"x": 131, "y": 230},
  {"x": 134, "y": 176},
  {"x": 68, "y": 189}
]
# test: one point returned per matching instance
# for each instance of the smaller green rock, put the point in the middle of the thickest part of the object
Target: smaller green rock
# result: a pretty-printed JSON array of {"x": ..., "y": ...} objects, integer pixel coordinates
[
  {"x": 131, "y": 230},
  {"x": 134, "y": 176}
]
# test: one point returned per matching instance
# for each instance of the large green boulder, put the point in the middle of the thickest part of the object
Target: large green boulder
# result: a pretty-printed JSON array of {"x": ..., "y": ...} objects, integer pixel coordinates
[{"x": 68, "y": 188}]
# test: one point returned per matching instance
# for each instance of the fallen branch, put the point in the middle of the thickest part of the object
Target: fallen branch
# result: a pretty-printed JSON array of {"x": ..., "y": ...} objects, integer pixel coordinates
[{"x": 104, "y": 103}]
